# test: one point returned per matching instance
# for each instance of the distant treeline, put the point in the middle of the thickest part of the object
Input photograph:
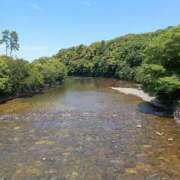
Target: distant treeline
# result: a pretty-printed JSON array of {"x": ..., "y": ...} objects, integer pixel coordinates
[{"x": 151, "y": 59}]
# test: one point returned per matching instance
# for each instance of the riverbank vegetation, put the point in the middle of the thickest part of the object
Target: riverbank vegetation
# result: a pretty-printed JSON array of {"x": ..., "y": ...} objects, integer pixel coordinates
[
  {"x": 19, "y": 77},
  {"x": 151, "y": 59}
]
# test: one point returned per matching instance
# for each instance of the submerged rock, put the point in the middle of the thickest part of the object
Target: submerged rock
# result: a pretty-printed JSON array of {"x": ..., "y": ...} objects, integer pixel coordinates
[
  {"x": 47, "y": 142},
  {"x": 131, "y": 171},
  {"x": 16, "y": 128},
  {"x": 159, "y": 133},
  {"x": 170, "y": 139},
  {"x": 75, "y": 174},
  {"x": 139, "y": 126}
]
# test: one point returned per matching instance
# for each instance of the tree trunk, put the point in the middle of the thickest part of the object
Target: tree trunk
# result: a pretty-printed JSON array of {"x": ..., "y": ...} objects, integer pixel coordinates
[
  {"x": 11, "y": 52},
  {"x": 6, "y": 49}
]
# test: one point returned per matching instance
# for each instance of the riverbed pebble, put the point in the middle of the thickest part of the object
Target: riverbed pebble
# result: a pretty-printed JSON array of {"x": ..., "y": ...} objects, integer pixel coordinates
[
  {"x": 159, "y": 133},
  {"x": 74, "y": 174},
  {"x": 139, "y": 126},
  {"x": 170, "y": 139},
  {"x": 16, "y": 128}
]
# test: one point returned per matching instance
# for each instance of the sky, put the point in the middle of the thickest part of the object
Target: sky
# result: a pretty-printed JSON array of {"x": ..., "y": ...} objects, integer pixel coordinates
[{"x": 45, "y": 26}]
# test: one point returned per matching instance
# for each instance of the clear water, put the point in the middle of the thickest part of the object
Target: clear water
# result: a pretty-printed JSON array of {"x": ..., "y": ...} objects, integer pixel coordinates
[{"x": 85, "y": 130}]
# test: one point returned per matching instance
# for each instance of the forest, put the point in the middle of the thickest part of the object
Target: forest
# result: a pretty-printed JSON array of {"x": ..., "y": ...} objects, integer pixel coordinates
[{"x": 150, "y": 59}]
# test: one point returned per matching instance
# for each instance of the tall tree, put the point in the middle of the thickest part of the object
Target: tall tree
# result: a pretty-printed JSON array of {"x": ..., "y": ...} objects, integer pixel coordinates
[
  {"x": 6, "y": 39},
  {"x": 14, "y": 45},
  {"x": 1, "y": 41}
]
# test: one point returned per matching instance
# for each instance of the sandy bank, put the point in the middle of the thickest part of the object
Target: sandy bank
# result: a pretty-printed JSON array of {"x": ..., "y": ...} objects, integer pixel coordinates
[{"x": 136, "y": 92}]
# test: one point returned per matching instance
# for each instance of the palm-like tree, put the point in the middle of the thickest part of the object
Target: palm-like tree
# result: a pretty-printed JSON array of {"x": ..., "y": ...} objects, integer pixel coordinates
[
  {"x": 6, "y": 39},
  {"x": 14, "y": 45},
  {"x": 10, "y": 38}
]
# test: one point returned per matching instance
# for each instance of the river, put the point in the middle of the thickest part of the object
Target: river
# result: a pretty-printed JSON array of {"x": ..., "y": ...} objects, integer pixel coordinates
[{"x": 85, "y": 130}]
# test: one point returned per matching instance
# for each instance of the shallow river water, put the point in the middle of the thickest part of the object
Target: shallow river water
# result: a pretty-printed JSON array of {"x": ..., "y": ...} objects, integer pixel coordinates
[{"x": 85, "y": 130}]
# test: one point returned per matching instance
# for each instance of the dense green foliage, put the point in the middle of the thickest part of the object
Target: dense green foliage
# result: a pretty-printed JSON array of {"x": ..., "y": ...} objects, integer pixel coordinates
[
  {"x": 147, "y": 74},
  {"x": 4, "y": 77},
  {"x": 151, "y": 59},
  {"x": 168, "y": 88},
  {"x": 19, "y": 77}
]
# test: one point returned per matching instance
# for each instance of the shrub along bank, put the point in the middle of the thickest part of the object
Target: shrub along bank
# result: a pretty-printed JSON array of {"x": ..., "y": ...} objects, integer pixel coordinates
[{"x": 19, "y": 77}]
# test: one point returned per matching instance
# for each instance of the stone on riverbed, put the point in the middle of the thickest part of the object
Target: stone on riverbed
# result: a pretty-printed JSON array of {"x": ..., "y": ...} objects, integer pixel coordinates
[{"x": 139, "y": 126}]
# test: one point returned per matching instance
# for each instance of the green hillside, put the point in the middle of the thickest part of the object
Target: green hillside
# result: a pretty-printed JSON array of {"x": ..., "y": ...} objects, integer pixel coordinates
[{"x": 151, "y": 59}]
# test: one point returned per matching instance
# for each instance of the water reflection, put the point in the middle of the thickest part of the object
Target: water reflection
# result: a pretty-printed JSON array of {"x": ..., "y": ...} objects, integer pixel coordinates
[
  {"x": 148, "y": 108},
  {"x": 85, "y": 130}
]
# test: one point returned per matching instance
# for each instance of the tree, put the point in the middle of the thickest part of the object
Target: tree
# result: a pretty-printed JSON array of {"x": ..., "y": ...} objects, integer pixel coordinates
[
  {"x": 10, "y": 38},
  {"x": 19, "y": 71},
  {"x": 168, "y": 89},
  {"x": 14, "y": 45},
  {"x": 164, "y": 49},
  {"x": 148, "y": 74},
  {"x": 125, "y": 72},
  {"x": 51, "y": 69},
  {"x": 6, "y": 40},
  {"x": 5, "y": 84},
  {"x": 33, "y": 82},
  {"x": 132, "y": 53}
]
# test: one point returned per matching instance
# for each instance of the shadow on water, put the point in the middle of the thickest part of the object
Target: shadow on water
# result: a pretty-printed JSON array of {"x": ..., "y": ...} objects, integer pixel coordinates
[{"x": 148, "y": 108}]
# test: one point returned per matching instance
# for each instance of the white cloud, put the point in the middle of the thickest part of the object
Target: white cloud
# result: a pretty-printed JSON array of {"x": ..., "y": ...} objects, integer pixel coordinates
[
  {"x": 87, "y": 3},
  {"x": 36, "y": 7}
]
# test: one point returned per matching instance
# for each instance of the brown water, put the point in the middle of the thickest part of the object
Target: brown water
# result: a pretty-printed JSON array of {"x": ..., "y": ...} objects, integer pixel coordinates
[{"x": 84, "y": 130}]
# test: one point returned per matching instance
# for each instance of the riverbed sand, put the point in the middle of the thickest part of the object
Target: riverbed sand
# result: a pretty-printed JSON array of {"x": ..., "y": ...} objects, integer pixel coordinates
[{"x": 140, "y": 93}]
